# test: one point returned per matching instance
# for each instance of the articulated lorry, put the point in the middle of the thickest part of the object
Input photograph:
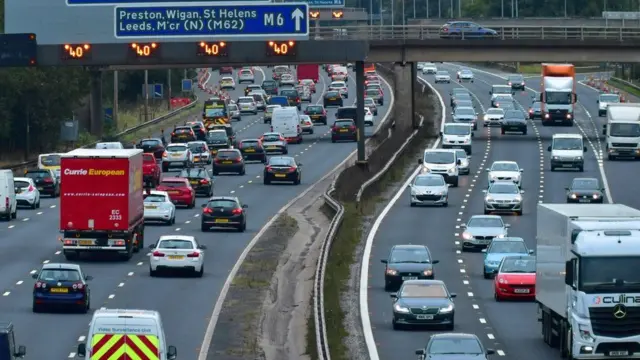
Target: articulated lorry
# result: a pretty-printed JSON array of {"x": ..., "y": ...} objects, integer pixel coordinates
[
  {"x": 622, "y": 131},
  {"x": 587, "y": 279},
  {"x": 558, "y": 94},
  {"x": 101, "y": 202}
]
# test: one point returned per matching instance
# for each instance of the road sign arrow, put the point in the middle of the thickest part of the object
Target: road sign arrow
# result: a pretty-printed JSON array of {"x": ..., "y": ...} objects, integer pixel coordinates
[{"x": 297, "y": 15}]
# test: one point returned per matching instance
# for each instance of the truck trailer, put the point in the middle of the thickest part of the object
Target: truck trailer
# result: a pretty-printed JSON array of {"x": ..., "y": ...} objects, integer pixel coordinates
[
  {"x": 101, "y": 202},
  {"x": 622, "y": 131},
  {"x": 558, "y": 94},
  {"x": 587, "y": 279}
]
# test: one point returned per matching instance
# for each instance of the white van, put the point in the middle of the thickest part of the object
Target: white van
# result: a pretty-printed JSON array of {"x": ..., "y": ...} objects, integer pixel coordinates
[
  {"x": 141, "y": 329},
  {"x": 457, "y": 136},
  {"x": 441, "y": 162},
  {"x": 286, "y": 121},
  {"x": 8, "y": 203},
  {"x": 567, "y": 152}
]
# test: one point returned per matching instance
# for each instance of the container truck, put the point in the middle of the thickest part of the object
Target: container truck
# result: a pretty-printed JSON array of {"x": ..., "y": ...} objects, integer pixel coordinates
[
  {"x": 587, "y": 279},
  {"x": 558, "y": 94},
  {"x": 101, "y": 202},
  {"x": 308, "y": 71},
  {"x": 622, "y": 131}
]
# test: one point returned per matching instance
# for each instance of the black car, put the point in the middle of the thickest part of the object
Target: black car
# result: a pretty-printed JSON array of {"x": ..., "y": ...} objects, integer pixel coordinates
[
  {"x": 231, "y": 133},
  {"x": 228, "y": 161},
  {"x": 293, "y": 97},
  {"x": 153, "y": 146},
  {"x": 516, "y": 81},
  {"x": 407, "y": 262},
  {"x": 332, "y": 98},
  {"x": 183, "y": 134},
  {"x": 45, "y": 181},
  {"x": 344, "y": 129},
  {"x": 317, "y": 113},
  {"x": 270, "y": 87},
  {"x": 423, "y": 302},
  {"x": 456, "y": 92},
  {"x": 514, "y": 121},
  {"x": 282, "y": 168},
  {"x": 252, "y": 149},
  {"x": 459, "y": 346},
  {"x": 223, "y": 212},
  {"x": 585, "y": 190},
  {"x": 199, "y": 179},
  {"x": 60, "y": 285},
  {"x": 216, "y": 140},
  {"x": 199, "y": 129}
]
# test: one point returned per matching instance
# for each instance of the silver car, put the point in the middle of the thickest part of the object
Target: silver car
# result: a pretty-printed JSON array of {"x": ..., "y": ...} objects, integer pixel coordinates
[
  {"x": 158, "y": 207},
  {"x": 247, "y": 105},
  {"x": 429, "y": 68},
  {"x": 246, "y": 75},
  {"x": 466, "y": 115},
  {"x": 465, "y": 75},
  {"x": 287, "y": 79},
  {"x": 505, "y": 171},
  {"x": 176, "y": 155},
  {"x": 274, "y": 142},
  {"x": 371, "y": 104},
  {"x": 27, "y": 194},
  {"x": 429, "y": 189},
  {"x": 200, "y": 151},
  {"x": 442, "y": 76},
  {"x": 503, "y": 197},
  {"x": 493, "y": 117},
  {"x": 306, "y": 124},
  {"x": 234, "y": 111},
  {"x": 463, "y": 167},
  {"x": 480, "y": 230}
]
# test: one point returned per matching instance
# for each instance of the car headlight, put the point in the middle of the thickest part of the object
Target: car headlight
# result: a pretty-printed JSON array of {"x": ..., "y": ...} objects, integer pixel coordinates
[
  {"x": 555, "y": 158},
  {"x": 486, "y": 117},
  {"x": 466, "y": 141},
  {"x": 518, "y": 198},
  {"x": 488, "y": 199},
  {"x": 500, "y": 236},
  {"x": 467, "y": 236},
  {"x": 578, "y": 157},
  {"x": 595, "y": 196},
  {"x": 451, "y": 170},
  {"x": 492, "y": 176},
  {"x": 446, "y": 309},
  {"x": 427, "y": 272},
  {"x": 401, "y": 309},
  {"x": 585, "y": 333},
  {"x": 425, "y": 170},
  {"x": 392, "y": 272},
  {"x": 503, "y": 281}
]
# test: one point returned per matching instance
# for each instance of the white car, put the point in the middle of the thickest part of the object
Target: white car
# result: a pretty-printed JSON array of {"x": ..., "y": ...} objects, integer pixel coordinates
[
  {"x": 227, "y": 82},
  {"x": 371, "y": 104},
  {"x": 176, "y": 155},
  {"x": 200, "y": 151},
  {"x": 368, "y": 117},
  {"x": 340, "y": 86},
  {"x": 246, "y": 75},
  {"x": 442, "y": 76},
  {"x": 234, "y": 112},
  {"x": 247, "y": 105},
  {"x": 177, "y": 252},
  {"x": 306, "y": 124},
  {"x": 260, "y": 98},
  {"x": 429, "y": 68},
  {"x": 604, "y": 100},
  {"x": 109, "y": 145},
  {"x": 429, "y": 189},
  {"x": 158, "y": 207},
  {"x": 505, "y": 171},
  {"x": 27, "y": 193},
  {"x": 465, "y": 75},
  {"x": 420, "y": 65},
  {"x": 287, "y": 79},
  {"x": 493, "y": 117}
]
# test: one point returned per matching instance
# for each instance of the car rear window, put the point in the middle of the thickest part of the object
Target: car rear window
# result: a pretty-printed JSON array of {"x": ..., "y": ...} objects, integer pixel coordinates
[
  {"x": 222, "y": 204},
  {"x": 344, "y": 123},
  {"x": 269, "y": 83},
  {"x": 272, "y": 137},
  {"x": 346, "y": 113},
  {"x": 372, "y": 92},
  {"x": 292, "y": 92},
  {"x": 228, "y": 154},
  {"x": 148, "y": 158},
  {"x": 38, "y": 174},
  {"x": 151, "y": 142},
  {"x": 175, "y": 244},
  {"x": 155, "y": 198},
  {"x": 21, "y": 184},
  {"x": 314, "y": 109},
  {"x": 173, "y": 184},
  {"x": 183, "y": 130},
  {"x": 249, "y": 143},
  {"x": 280, "y": 162},
  {"x": 333, "y": 94},
  {"x": 59, "y": 275},
  {"x": 245, "y": 100},
  {"x": 176, "y": 148}
]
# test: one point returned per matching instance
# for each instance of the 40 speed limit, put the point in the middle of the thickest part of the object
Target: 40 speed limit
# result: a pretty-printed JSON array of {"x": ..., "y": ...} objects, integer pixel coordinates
[
  {"x": 115, "y": 215},
  {"x": 235, "y": 24}
]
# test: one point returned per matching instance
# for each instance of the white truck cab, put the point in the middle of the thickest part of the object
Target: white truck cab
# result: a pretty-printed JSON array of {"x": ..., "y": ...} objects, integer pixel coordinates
[
  {"x": 457, "y": 136},
  {"x": 442, "y": 162},
  {"x": 606, "y": 99},
  {"x": 567, "y": 152},
  {"x": 622, "y": 131}
]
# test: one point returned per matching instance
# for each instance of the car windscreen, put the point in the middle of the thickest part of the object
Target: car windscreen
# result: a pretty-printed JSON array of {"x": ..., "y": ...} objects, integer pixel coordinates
[
  {"x": 609, "y": 98},
  {"x": 173, "y": 184},
  {"x": 501, "y": 90},
  {"x": 175, "y": 148},
  {"x": 186, "y": 130},
  {"x": 148, "y": 158},
  {"x": 346, "y": 113},
  {"x": 332, "y": 94},
  {"x": 314, "y": 109},
  {"x": 495, "y": 111},
  {"x": 150, "y": 142},
  {"x": 249, "y": 143},
  {"x": 485, "y": 222},
  {"x": 439, "y": 157},
  {"x": 50, "y": 160},
  {"x": 504, "y": 167},
  {"x": 516, "y": 78},
  {"x": 372, "y": 92},
  {"x": 175, "y": 244},
  {"x": 457, "y": 130},
  {"x": 429, "y": 181},
  {"x": 343, "y": 124},
  {"x": 217, "y": 136},
  {"x": 585, "y": 184},
  {"x": 454, "y": 346},
  {"x": 536, "y": 105},
  {"x": 514, "y": 114},
  {"x": 515, "y": 265},
  {"x": 268, "y": 84},
  {"x": 155, "y": 198},
  {"x": 214, "y": 112},
  {"x": 410, "y": 255},
  {"x": 289, "y": 93},
  {"x": 465, "y": 111},
  {"x": 567, "y": 144},
  {"x": 423, "y": 291},
  {"x": 461, "y": 154}
]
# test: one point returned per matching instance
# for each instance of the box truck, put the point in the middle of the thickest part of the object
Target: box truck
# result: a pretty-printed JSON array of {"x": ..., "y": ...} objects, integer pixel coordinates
[
  {"x": 622, "y": 131},
  {"x": 308, "y": 71},
  {"x": 101, "y": 202},
  {"x": 587, "y": 279},
  {"x": 558, "y": 94}
]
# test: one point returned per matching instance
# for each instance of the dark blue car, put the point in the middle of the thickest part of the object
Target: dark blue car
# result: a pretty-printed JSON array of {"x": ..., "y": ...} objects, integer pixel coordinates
[
  {"x": 61, "y": 285},
  {"x": 466, "y": 30}
]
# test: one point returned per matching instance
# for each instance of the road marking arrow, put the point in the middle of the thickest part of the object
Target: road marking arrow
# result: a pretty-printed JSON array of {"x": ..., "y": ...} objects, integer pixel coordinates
[{"x": 297, "y": 15}]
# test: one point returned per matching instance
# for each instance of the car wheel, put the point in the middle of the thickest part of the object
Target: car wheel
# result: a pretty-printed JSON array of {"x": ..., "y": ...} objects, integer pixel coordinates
[
  {"x": 451, "y": 326},
  {"x": 496, "y": 296},
  {"x": 34, "y": 205},
  {"x": 519, "y": 213},
  {"x": 580, "y": 169},
  {"x": 153, "y": 273},
  {"x": 242, "y": 227},
  {"x": 502, "y": 132},
  {"x": 412, "y": 204},
  {"x": 487, "y": 212},
  {"x": 266, "y": 181},
  {"x": 311, "y": 132},
  {"x": 36, "y": 308},
  {"x": 485, "y": 275},
  {"x": 242, "y": 172},
  {"x": 199, "y": 273},
  {"x": 204, "y": 228},
  {"x": 14, "y": 215},
  {"x": 395, "y": 325},
  {"x": 445, "y": 204}
]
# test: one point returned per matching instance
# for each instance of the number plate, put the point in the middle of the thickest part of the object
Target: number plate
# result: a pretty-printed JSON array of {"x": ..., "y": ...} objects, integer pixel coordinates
[
  {"x": 521, "y": 291},
  {"x": 619, "y": 353},
  {"x": 567, "y": 165},
  {"x": 59, "y": 290},
  {"x": 280, "y": 175},
  {"x": 409, "y": 278},
  {"x": 250, "y": 150},
  {"x": 40, "y": 188},
  {"x": 195, "y": 182},
  {"x": 585, "y": 200},
  {"x": 176, "y": 257},
  {"x": 173, "y": 192},
  {"x": 150, "y": 207},
  {"x": 344, "y": 130},
  {"x": 272, "y": 147},
  {"x": 424, "y": 317},
  {"x": 222, "y": 220},
  {"x": 227, "y": 162},
  {"x": 85, "y": 242}
]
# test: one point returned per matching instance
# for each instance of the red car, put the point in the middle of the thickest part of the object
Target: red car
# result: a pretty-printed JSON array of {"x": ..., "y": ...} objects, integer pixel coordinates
[
  {"x": 516, "y": 278},
  {"x": 151, "y": 170},
  {"x": 179, "y": 190},
  {"x": 226, "y": 70}
]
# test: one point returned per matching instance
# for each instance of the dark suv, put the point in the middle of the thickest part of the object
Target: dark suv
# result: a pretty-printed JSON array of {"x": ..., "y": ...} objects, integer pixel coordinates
[
  {"x": 199, "y": 179},
  {"x": 346, "y": 112},
  {"x": 224, "y": 212},
  {"x": 344, "y": 129},
  {"x": 270, "y": 87},
  {"x": 45, "y": 181},
  {"x": 514, "y": 120}
]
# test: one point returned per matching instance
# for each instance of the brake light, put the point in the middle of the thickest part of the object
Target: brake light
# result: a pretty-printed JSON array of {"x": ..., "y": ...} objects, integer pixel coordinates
[
  {"x": 173, "y": 134},
  {"x": 324, "y": 112},
  {"x": 30, "y": 189},
  {"x": 48, "y": 180},
  {"x": 207, "y": 210},
  {"x": 269, "y": 168},
  {"x": 334, "y": 128},
  {"x": 352, "y": 128},
  {"x": 204, "y": 181},
  {"x": 237, "y": 160},
  {"x": 194, "y": 254},
  {"x": 6, "y": 203},
  {"x": 157, "y": 254},
  {"x": 40, "y": 285},
  {"x": 292, "y": 169},
  {"x": 445, "y": 29},
  {"x": 164, "y": 154},
  {"x": 236, "y": 211},
  {"x": 78, "y": 286}
]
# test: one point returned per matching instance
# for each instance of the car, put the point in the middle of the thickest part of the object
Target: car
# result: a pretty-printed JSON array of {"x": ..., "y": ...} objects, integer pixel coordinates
[
  {"x": 341, "y": 87},
  {"x": 456, "y": 93},
  {"x": 228, "y": 70},
  {"x": 260, "y": 98},
  {"x": 464, "y": 103},
  {"x": 247, "y": 105},
  {"x": 176, "y": 155},
  {"x": 515, "y": 278},
  {"x": 177, "y": 252},
  {"x": 287, "y": 79},
  {"x": 228, "y": 129},
  {"x": 499, "y": 249},
  {"x": 375, "y": 94},
  {"x": 368, "y": 117},
  {"x": 347, "y": 112},
  {"x": 179, "y": 190},
  {"x": 514, "y": 121},
  {"x": 442, "y": 76},
  {"x": 274, "y": 142},
  {"x": 497, "y": 100},
  {"x": 306, "y": 124},
  {"x": 151, "y": 170},
  {"x": 582, "y": 190},
  {"x": 159, "y": 207},
  {"x": 317, "y": 113},
  {"x": 480, "y": 230},
  {"x": 152, "y": 146},
  {"x": 252, "y": 149},
  {"x": 371, "y": 79},
  {"x": 604, "y": 100},
  {"x": 505, "y": 171},
  {"x": 371, "y": 104},
  {"x": 61, "y": 285},
  {"x": 305, "y": 93},
  {"x": 234, "y": 112},
  {"x": 279, "y": 70},
  {"x": 109, "y": 145},
  {"x": 332, "y": 98},
  {"x": 503, "y": 197},
  {"x": 198, "y": 129},
  {"x": 344, "y": 129},
  {"x": 372, "y": 83},
  {"x": 535, "y": 111},
  {"x": 464, "y": 166},
  {"x": 246, "y": 75},
  {"x": 270, "y": 87},
  {"x": 339, "y": 74},
  {"x": 227, "y": 83},
  {"x": 293, "y": 97},
  {"x": 423, "y": 302},
  {"x": 283, "y": 101},
  {"x": 251, "y": 88},
  {"x": 200, "y": 180},
  {"x": 429, "y": 68},
  {"x": 183, "y": 134},
  {"x": 466, "y": 30},
  {"x": 465, "y": 75},
  {"x": 310, "y": 83},
  {"x": 45, "y": 180},
  {"x": 282, "y": 168},
  {"x": 457, "y": 346},
  {"x": 27, "y": 193},
  {"x": 228, "y": 161},
  {"x": 200, "y": 151},
  {"x": 465, "y": 115},
  {"x": 429, "y": 189},
  {"x": 459, "y": 97},
  {"x": 268, "y": 113},
  {"x": 407, "y": 262},
  {"x": 516, "y": 81},
  {"x": 223, "y": 212},
  {"x": 493, "y": 117},
  {"x": 216, "y": 140}
]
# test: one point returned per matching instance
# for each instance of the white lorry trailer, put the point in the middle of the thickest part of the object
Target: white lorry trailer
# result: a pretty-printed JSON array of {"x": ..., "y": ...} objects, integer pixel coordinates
[
  {"x": 587, "y": 279},
  {"x": 622, "y": 130}
]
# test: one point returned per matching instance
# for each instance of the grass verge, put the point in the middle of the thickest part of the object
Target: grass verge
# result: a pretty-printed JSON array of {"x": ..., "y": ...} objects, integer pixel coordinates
[{"x": 624, "y": 87}]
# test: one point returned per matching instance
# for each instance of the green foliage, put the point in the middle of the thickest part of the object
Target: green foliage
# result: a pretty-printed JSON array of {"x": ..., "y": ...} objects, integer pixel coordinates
[{"x": 130, "y": 83}]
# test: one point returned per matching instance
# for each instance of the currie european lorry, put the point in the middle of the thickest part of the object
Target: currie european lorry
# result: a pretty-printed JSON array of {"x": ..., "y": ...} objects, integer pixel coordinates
[
  {"x": 558, "y": 94},
  {"x": 622, "y": 130},
  {"x": 587, "y": 279},
  {"x": 101, "y": 202}
]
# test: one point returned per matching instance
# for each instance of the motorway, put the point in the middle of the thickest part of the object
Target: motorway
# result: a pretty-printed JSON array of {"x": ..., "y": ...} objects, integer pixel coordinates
[
  {"x": 511, "y": 328},
  {"x": 184, "y": 303}
]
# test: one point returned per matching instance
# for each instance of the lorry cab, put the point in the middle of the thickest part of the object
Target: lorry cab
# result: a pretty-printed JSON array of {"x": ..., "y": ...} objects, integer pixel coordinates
[
  {"x": 50, "y": 162},
  {"x": 128, "y": 332},
  {"x": 622, "y": 130},
  {"x": 8, "y": 348},
  {"x": 567, "y": 151},
  {"x": 286, "y": 121}
]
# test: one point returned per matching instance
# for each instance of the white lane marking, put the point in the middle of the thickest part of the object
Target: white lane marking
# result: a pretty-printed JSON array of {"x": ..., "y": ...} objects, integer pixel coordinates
[
  {"x": 52, "y": 206},
  {"x": 140, "y": 263},
  {"x": 39, "y": 213},
  {"x": 19, "y": 282},
  {"x": 6, "y": 293},
  {"x": 25, "y": 219},
  {"x": 112, "y": 296},
  {"x": 72, "y": 355},
  {"x": 57, "y": 252},
  {"x": 11, "y": 226},
  {"x": 500, "y": 352},
  {"x": 469, "y": 294},
  {"x": 45, "y": 262},
  {"x": 130, "y": 273},
  {"x": 121, "y": 285},
  {"x": 490, "y": 336},
  {"x": 475, "y": 306},
  {"x": 81, "y": 338},
  {"x": 177, "y": 229},
  {"x": 188, "y": 222},
  {"x": 33, "y": 272},
  {"x": 483, "y": 320}
]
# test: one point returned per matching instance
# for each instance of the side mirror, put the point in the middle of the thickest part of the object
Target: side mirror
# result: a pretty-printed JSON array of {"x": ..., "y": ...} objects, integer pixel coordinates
[
  {"x": 484, "y": 191},
  {"x": 22, "y": 351},
  {"x": 82, "y": 350},
  {"x": 88, "y": 277},
  {"x": 384, "y": 261},
  {"x": 549, "y": 148},
  {"x": 394, "y": 295},
  {"x": 521, "y": 170},
  {"x": 484, "y": 250},
  {"x": 440, "y": 133},
  {"x": 490, "y": 351},
  {"x": 202, "y": 247},
  {"x": 507, "y": 226},
  {"x": 299, "y": 164},
  {"x": 568, "y": 273},
  {"x": 521, "y": 191},
  {"x": 203, "y": 206},
  {"x": 472, "y": 134},
  {"x": 172, "y": 352},
  {"x": 410, "y": 186},
  {"x": 420, "y": 161},
  {"x": 487, "y": 170},
  {"x": 531, "y": 252},
  {"x": 584, "y": 149},
  {"x": 597, "y": 101},
  {"x": 245, "y": 206},
  {"x": 35, "y": 276},
  {"x": 152, "y": 246},
  {"x": 420, "y": 352},
  {"x": 435, "y": 262},
  {"x": 452, "y": 295},
  {"x": 604, "y": 131},
  {"x": 490, "y": 92},
  {"x": 458, "y": 162}
]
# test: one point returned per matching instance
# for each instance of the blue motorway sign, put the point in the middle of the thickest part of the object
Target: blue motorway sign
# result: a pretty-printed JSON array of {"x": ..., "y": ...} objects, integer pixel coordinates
[
  {"x": 187, "y": 85},
  {"x": 269, "y": 21},
  {"x": 122, "y": 2},
  {"x": 319, "y": 4}
]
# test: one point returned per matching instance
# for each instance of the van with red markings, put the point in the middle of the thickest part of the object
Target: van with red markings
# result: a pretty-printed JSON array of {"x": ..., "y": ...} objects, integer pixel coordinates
[{"x": 101, "y": 203}]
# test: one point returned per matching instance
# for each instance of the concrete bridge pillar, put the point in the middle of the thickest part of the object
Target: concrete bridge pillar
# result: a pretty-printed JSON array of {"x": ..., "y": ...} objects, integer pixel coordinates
[
  {"x": 97, "y": 117},
  {"x": 403, "y": 92}
]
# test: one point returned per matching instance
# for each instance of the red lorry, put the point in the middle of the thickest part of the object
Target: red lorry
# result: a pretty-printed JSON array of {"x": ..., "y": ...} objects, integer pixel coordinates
[
  {"x": 101, "y": 202},
  {"x": 308, "y": 71}
]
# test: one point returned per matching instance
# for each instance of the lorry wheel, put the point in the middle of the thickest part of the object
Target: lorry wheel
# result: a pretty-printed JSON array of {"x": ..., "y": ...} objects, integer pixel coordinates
[
  {"x": 580, "y": 169},
  {"x": 486, "y": 276},
  {"x": 127, "y": 256}
]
